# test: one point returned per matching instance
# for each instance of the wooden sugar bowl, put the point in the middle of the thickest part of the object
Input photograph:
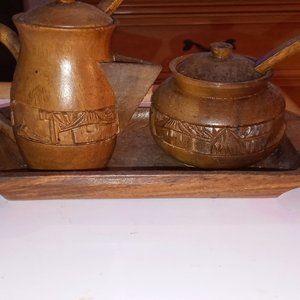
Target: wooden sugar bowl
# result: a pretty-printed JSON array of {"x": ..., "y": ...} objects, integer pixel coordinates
[
  {"x": 219, "y": 110},
  {"x": 70, "y": 95}
]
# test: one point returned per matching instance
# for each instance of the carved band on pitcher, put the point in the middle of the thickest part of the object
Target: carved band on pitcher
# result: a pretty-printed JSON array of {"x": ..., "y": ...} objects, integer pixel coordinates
[
  {"x": 66, "y": 128},
  {"x": 215, "y": 140}
]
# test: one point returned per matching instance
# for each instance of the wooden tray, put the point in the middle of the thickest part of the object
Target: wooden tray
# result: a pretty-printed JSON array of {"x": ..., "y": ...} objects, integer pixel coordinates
[{"x": 140, "y": 169}]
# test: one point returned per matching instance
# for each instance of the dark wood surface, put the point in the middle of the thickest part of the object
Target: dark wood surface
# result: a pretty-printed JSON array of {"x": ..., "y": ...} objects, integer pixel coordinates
[{"x": 141, "y": 170}]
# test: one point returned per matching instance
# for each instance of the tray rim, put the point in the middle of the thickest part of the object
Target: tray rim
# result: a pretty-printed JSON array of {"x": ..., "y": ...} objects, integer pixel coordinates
[{"x": 120, "y": 184}]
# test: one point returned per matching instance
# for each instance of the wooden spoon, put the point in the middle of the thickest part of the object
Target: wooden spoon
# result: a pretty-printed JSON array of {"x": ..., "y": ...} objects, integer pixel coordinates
[{"x": 278, "y": 54}]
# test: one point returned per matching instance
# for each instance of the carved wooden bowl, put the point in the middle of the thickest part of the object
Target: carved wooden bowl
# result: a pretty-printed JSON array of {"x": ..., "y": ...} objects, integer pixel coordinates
[{"x": 217, "y": 125}]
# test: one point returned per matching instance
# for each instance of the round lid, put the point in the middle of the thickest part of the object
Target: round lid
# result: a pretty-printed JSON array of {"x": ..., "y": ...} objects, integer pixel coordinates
[
  {"x": 65, "y": 14},
  {"x": 219, "y": 65}
]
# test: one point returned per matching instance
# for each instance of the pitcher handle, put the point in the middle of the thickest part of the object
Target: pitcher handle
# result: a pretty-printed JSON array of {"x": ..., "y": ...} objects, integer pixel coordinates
[{"x": 10, "y": 39}]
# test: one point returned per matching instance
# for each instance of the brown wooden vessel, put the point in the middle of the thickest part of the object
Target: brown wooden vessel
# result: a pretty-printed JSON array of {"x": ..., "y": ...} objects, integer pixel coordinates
[
  {"x": 219, "y": 109},
  {"x": 71, "y": 95}
]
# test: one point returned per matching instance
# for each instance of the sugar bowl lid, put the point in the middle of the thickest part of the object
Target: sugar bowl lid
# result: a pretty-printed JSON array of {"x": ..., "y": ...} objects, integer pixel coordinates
[
  {"x": 65, "y": 14},
  {"x": 219, "y": 65}
]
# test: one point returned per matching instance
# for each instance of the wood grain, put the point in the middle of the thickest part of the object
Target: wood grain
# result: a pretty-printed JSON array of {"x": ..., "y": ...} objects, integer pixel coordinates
[{"x": 146, "y": 184}]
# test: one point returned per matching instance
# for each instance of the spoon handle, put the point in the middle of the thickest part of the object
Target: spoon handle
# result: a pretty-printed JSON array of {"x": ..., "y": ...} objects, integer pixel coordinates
[
  {"x": 278, "y": 54},
  {"x": 109, "y": 6}
]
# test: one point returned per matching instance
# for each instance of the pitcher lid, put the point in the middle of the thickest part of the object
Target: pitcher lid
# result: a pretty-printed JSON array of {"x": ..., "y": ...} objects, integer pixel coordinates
[
  {"x": 219, "y": 65},
  {"x": 65, "y": 14}
]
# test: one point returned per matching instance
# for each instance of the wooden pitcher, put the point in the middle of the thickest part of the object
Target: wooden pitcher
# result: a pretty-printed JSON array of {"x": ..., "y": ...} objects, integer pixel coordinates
[{"x": 70, "y": 95}]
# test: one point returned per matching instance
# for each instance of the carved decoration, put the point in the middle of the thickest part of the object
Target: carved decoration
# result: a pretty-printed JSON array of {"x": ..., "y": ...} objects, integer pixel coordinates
[
  {"x": 66, "y": 127},
  {"x": 214, "y": 140}
]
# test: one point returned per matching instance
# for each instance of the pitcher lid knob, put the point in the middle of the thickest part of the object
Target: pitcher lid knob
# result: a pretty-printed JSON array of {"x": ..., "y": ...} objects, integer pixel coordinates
[{"x": 221, "y": 50}]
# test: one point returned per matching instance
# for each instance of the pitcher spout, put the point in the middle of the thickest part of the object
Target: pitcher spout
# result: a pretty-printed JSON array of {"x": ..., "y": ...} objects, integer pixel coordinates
[{"x": 131, "y": 80}]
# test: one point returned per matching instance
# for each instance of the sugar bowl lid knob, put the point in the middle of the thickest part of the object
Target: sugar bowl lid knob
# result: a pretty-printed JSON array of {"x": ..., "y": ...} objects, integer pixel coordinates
[{"x": 221, "y": 50}]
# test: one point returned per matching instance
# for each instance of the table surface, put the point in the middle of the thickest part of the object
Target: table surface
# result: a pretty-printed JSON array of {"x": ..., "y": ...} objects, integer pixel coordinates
[{"x": 154, "y": 249}]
